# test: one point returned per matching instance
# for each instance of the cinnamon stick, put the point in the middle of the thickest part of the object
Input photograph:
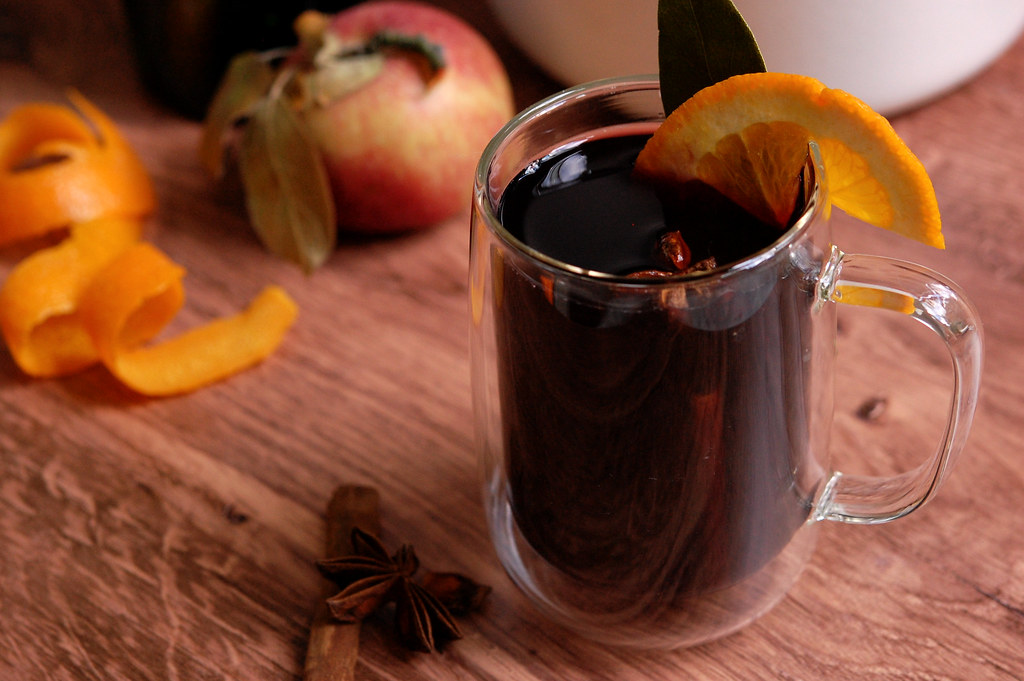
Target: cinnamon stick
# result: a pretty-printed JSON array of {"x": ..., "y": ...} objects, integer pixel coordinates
[{"x": 334, "y": 646}]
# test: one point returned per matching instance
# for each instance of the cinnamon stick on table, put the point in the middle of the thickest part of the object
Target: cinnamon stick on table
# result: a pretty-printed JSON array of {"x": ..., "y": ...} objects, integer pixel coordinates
[{"x": 334, "y": 646}]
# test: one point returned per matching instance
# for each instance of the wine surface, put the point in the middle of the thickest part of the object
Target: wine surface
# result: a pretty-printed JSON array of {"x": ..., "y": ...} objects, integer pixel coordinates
[{"x": 582, "y": 206}]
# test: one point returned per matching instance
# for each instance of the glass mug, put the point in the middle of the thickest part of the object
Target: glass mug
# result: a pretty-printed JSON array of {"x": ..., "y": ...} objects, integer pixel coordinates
[{"x": 655, "y": 454}]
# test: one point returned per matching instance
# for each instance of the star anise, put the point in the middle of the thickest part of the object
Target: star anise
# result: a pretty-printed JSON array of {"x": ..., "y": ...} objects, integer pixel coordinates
[{"x": 371, "y": 578}]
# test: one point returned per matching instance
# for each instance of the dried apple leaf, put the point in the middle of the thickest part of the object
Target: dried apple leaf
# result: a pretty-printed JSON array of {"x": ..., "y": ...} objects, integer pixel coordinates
[
  {"x": 701, "y": 42},
  {"x": 287, "y": 191},
  {"x": 336, "y": 78},
  {"x": 246, "y": 81}
]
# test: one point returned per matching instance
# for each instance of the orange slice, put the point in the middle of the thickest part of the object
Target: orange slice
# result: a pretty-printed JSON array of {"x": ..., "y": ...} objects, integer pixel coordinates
[{"x": 747, "y": 137}]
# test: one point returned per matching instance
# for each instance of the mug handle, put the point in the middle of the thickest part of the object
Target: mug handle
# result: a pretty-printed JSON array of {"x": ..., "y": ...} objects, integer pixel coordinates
[{"x": 941, "y": 305}]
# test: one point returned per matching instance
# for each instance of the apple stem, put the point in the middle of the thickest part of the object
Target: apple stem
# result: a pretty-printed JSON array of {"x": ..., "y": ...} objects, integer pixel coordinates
[
  {"x": 281, "y": 81},
  {"x": 313, "y": 27}
]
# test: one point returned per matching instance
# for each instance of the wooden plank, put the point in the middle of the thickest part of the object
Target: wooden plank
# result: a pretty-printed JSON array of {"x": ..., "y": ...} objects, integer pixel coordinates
[{"x": 176, "y": 539}]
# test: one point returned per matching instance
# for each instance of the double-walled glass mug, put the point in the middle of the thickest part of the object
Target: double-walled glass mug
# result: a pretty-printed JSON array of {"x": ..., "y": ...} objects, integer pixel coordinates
[{"x": 656, "y": 453}]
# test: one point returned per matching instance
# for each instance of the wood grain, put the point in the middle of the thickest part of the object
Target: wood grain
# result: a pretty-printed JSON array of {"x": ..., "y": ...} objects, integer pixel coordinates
[{"x": 176, "y": 539}]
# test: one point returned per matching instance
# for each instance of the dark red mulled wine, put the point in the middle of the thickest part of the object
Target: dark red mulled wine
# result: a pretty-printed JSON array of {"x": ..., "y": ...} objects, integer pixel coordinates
[
  {"x": 654, "y": 440},
  {"x": 583, "y": 207}
]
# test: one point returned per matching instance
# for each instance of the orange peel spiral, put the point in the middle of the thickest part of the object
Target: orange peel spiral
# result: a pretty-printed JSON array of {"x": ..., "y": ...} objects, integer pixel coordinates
[
  {"x": 139, "y": 292},
  {"x": 101, "y": 294},
  {"x": 39, "y": 299},
  {"x": 58, "y": 168}
]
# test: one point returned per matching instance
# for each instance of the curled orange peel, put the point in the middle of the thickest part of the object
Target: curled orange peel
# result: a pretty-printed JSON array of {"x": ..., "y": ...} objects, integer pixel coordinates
[
  {"x": 58, "y": 168},
  {"x": 101, "y": 294},
  {"x": 139, "y": 292},
  {"x": 39, "y": 299}
]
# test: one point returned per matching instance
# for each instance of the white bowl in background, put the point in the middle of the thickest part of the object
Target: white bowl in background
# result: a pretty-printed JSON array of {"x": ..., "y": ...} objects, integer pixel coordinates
[{"x": 893, "y": 54}]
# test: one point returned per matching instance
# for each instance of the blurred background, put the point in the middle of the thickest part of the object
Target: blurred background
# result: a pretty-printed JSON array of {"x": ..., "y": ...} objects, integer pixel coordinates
[{"x": 893, "y": 55}]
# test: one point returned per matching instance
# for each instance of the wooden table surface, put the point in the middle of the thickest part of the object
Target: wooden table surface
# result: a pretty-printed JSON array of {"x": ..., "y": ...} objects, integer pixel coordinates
[{"x": 176, "y": 538}]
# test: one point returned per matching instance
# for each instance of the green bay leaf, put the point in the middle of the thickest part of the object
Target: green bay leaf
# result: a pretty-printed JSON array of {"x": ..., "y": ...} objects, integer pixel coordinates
[
  {"x": 287, "y": 190},
  {"x": 701, "y": 42}
]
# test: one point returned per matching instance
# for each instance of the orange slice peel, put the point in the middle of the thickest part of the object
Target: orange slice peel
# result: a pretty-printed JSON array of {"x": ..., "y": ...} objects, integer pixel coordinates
[
  {"x": 58, "y": 167},
  {"x": 747, "y": 137},
  {"x": 101, "y": 294},
  {"x": 39, "y": 299},
  {"x": 139, "y": 292}
]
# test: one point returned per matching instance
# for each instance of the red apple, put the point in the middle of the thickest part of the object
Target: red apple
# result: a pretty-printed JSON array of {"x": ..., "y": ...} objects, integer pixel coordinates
[
  {"x": 400, "y": 150},
  {"x": 373, "y": 124}
]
